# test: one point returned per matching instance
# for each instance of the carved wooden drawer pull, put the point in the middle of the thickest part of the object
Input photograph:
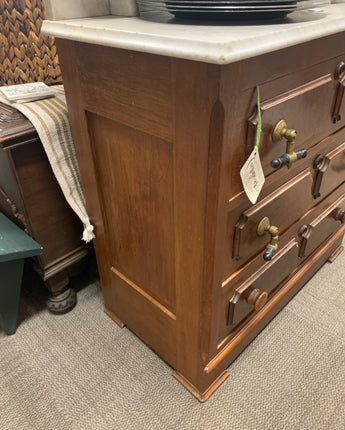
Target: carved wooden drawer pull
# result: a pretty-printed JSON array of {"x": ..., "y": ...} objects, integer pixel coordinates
[
  {"x": 265, "y": 227},
  {"x": 339, "y": 215},
  {"x": 280, "y": 132},
  {"x": 253, "y": 296},
  {"x": 330, "y": 169},
  {"x": 322, "y": 227},
  {"x": 339, "y": 74},
  {"x": 257, "y": 298},
  {"x": 320, "y": 164}
]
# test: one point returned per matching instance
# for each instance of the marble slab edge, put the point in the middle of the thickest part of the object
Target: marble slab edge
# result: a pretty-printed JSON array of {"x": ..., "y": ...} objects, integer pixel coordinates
[{"x": 210, "y": 44}]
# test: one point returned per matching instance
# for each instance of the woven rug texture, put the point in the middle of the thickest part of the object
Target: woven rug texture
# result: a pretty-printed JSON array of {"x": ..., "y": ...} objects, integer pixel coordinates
[{"x": 81, "y": 371}]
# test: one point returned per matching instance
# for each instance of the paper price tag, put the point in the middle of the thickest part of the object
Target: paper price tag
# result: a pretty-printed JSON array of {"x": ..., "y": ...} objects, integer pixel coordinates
[{"x": 252, "y": 176}]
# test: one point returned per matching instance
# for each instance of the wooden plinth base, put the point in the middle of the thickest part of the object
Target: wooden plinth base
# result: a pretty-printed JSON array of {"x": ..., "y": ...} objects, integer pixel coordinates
[
  {"x": 202, "y": 397},
  {"x": 114, "y": 317}
]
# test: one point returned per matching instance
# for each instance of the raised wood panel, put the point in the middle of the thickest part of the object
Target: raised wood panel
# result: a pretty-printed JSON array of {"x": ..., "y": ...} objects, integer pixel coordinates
[
  {"x": 120, "y": 85},
  {"x": 136, "y": 186}
]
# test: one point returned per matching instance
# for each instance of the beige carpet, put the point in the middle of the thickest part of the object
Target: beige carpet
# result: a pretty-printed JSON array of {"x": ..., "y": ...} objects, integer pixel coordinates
[{"x": 81, "y": 371}]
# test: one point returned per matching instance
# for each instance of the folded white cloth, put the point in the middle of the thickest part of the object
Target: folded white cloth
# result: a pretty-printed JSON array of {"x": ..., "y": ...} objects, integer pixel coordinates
[{"x": 50, "y": 119}]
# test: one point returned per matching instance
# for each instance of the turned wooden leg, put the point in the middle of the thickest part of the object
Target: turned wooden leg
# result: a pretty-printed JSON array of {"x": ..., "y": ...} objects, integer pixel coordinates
[{"x": 62, "y": 299}]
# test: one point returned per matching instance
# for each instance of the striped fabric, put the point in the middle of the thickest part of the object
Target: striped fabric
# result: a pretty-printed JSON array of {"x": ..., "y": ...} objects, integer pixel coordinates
[{"x": 50, "y": 118}]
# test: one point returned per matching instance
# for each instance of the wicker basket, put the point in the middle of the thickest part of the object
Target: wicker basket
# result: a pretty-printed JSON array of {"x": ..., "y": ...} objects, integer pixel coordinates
[{"x": 26, "y": 55}]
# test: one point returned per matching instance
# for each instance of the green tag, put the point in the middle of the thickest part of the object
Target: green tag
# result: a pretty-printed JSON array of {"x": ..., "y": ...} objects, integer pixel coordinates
[{"x": 258, "y": 128}]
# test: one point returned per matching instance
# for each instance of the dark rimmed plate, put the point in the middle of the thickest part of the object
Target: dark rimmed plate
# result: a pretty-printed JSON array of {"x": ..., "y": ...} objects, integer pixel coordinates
[{"x": 220, "y": 10}]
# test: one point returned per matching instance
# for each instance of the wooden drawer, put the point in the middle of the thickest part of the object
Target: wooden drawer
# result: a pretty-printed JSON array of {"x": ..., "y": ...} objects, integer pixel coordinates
[
  {"x": 308, "y": 108},
  {"x": 234, "y": 307},
  {"x": 253, "y": 293},
  {"x": 297, "y": 243},
  {"x": 283, "y": 207},
  {"x": 329, "y": 166},
  {"x": 312, "y": 181},
  {"x": 325, "y": 224}
]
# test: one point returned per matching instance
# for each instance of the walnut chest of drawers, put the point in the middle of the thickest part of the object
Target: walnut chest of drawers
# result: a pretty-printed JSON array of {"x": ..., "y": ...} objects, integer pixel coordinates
[{"x": 161, "y": 142}]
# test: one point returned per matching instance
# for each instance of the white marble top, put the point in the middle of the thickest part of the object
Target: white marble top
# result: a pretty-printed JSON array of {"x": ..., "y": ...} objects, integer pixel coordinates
[{"x": 219, "y": 44}]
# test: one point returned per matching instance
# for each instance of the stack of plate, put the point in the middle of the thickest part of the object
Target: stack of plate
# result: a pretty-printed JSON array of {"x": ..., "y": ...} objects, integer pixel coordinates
[{"x": 219, "y": 9}]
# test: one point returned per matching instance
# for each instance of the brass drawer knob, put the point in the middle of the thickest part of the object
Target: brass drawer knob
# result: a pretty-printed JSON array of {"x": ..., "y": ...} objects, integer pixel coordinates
[
  {"x": 263, "y": 228},
  {"x": 280, "y": 132},
  {"x": 258, "y": 299}
]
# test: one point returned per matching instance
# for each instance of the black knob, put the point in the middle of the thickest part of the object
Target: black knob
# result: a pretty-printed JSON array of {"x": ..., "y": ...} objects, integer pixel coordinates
[
  {"x": 287, "y": 159},
  {"x": 302, "y": 153},
  {"x": 269, "y": 252},
  {"x": 284, "y": 160}
]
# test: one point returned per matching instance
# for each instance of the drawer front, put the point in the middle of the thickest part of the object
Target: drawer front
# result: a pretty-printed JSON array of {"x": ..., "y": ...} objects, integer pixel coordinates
[
  {"x": 284, "y": 200},
  {"x": 309, "y": 109},
  {"x": 254, "y": 292},
  {"x": 312, "y": 234},
  {"x": 283, "y": 207},
  {"x": 237, "y": 303}
]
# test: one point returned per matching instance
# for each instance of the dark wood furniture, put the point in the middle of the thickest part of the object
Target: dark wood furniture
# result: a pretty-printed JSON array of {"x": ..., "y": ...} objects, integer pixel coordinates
[
  {"x": 31, "y": 197},
  {"x": 161, "y": 142}
]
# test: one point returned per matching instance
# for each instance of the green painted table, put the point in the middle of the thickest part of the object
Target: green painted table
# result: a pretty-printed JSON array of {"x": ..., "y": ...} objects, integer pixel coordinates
[{"x": 15, "y": 246}]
